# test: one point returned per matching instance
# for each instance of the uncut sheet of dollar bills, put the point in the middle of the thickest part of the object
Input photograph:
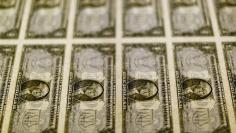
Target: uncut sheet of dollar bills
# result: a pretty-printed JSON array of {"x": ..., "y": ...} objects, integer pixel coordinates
[{"x": 117, "y": 66}]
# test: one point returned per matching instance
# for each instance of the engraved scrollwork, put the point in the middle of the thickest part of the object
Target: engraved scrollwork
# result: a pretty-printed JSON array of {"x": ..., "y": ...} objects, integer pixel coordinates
[{"x": 49, "y": 3}]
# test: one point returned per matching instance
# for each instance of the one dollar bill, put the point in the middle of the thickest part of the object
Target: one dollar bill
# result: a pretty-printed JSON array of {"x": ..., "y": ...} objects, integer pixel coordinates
[
  {"x": 91, "y": 95},
  {"x": 142, "y": 18},
  {"x": 200, "y": 91},
  {"x": 11, "y": 12},
  {"x": 7, "y": 54},
  {"x": 48, "y": 19},
  {"x": 37, "y": 95},
  {"x": 225, "y": 10},
  {"x": 95, "y": 18},
  {"x": 146, "y": 92},
  {"x": 190, "y": 17}
]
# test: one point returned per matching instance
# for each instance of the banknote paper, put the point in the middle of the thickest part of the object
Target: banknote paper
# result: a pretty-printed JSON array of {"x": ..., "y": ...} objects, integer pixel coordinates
[
  {"x": 190, "y": 17},
  {"x": 226, "y": 16},
  {"x": 200, "y": 91},
  {"x": 37, "y": 95},
  {"x": 48, "y": 19},
  {"x": 91, "y": 95},
  {"x": 230, "y": 58},
  {"x": 142, "y": 18},
  {"x": 95, "y": 18},
  {"x": 146, "y": 93},
  {"x": 11, "y": 12},
  {"x": 6, "y": 62}
]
